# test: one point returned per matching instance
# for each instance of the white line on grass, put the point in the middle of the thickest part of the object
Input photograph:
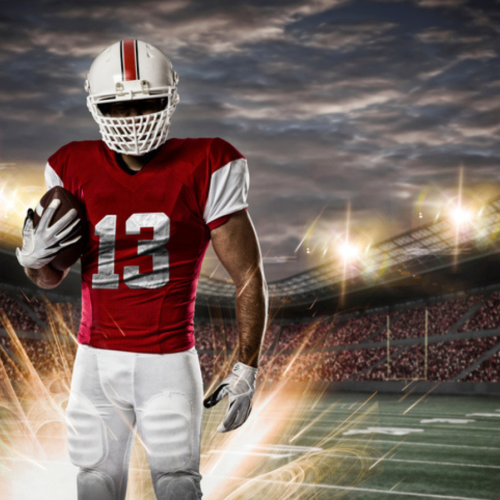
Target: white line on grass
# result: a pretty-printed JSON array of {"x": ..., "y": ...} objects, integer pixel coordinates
[
  {"x": 348, "y": 488},
  {"x": 495, "y": 429},
  {"x": 376, "y": 459},
  {"x": 497, "y": 415},
  {"x": 410, "y": 443},
  {"x": 387, "y": 420},
  {"x": 426, "y": 462}
]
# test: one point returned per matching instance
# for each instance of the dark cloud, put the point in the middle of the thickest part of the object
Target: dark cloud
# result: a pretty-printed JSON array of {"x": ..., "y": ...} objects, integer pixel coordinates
[{"x": 332, "y": 102}]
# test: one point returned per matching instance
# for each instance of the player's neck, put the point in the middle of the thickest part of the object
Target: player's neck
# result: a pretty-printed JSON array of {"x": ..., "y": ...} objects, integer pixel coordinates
[{"x": 137, "y": 162}]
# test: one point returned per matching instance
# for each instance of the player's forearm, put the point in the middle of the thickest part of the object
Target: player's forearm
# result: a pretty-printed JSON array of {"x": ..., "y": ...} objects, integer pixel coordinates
[
  {"x": 45, "y": 277},
  {"x": 251, "y": 315}
]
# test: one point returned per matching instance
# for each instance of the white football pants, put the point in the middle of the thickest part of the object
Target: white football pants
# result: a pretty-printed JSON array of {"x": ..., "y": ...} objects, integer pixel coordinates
[{"x": 112, "y": 392}]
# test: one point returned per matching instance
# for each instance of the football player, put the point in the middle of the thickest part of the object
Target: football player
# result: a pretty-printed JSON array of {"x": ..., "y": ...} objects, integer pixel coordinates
[{"x": 152, "y": 207}]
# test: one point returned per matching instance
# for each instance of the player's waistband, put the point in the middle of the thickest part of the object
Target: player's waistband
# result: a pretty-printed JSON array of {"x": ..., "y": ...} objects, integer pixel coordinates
[{"x": 114, "y": 352}]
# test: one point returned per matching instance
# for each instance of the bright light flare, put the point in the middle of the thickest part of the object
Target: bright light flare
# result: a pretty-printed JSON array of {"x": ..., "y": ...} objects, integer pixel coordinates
[
  {"x": 461, "y": 216},
  {"x": 349, "y": 251},
  {"x": 258, "y": 460},
  {"x": 19, "y": 189}
]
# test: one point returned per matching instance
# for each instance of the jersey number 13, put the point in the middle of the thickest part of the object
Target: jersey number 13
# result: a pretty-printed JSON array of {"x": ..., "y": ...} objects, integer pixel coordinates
[{"x": 106, "y": 230}]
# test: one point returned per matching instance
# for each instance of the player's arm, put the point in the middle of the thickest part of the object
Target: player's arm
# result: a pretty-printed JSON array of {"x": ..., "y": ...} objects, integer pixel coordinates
[{"x": 237, "y": 247}]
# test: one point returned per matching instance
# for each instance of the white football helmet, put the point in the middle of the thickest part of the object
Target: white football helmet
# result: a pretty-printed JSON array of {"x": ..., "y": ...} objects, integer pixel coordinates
[{"x": 132, "y": 70}]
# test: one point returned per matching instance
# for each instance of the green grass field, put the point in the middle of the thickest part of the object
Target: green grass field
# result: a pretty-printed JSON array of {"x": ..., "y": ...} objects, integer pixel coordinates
[
  {"x": 443, "y": 447},
  {"x": 305, "y": 446}
]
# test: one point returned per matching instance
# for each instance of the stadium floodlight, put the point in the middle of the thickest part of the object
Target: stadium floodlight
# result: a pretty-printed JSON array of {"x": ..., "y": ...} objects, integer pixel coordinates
[
  {"x": 349, "y": 251},
  {"x": 461, "y": 216}
]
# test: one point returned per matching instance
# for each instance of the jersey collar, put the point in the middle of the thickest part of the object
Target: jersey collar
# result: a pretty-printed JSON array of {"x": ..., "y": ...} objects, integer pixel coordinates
[{"x": 134, "y": 182}]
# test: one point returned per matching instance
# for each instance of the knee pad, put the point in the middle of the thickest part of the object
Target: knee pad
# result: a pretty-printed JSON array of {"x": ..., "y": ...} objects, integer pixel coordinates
[
  {"x": 166, "y": 428},
  {"x": 87, "y": 437},
  {"x": 95, "y": 485},
  {"x": 178, "y": 486}
]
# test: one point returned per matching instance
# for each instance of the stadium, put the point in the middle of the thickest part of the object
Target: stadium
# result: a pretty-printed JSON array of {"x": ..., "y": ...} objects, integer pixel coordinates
[{"x": 379, "y": 372}]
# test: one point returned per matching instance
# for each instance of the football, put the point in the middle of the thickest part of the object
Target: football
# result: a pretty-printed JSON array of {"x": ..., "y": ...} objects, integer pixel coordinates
[{"x": 67, "y": 257}]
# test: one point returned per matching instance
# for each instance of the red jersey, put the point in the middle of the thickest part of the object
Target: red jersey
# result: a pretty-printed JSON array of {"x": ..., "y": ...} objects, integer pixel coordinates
[{"x": 148, "y": 233}]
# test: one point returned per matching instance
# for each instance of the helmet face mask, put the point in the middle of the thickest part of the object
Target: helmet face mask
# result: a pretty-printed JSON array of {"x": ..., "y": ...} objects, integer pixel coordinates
[{"x": 115, "y": 90}]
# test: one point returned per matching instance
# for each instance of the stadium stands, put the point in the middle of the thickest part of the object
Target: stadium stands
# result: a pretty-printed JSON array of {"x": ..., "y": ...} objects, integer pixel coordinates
[
  {"x": 18, "y": 316},
  {"x": 488, "y": 371},
  {"x": 357, "y": 330},
  {"x": 487, "y": 317},
  {"x": 319, "y": 350},
  {"x": 445, "y": 360},
  {"x": 37, "y": 305},
  {"x": 441, "y": 318}
]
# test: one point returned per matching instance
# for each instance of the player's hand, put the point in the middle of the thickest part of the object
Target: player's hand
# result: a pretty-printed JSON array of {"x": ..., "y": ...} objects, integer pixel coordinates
[
  {"x": 43, "y": 243},
  {"x": 240, "y": 387}
]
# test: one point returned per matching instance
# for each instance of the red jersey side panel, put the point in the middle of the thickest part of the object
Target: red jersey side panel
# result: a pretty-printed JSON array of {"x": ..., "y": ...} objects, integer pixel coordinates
[{"x": 148, "y": 234}]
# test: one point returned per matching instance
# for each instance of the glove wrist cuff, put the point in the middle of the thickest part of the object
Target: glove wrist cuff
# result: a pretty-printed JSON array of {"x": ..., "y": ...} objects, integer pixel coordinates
[{"x": 239, "y": 366}]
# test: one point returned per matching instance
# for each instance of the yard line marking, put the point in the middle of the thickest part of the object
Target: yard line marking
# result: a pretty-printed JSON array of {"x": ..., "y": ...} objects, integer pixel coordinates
[
  {"x": 253, "y": 453},
  {"x": 388, "y": 441},
  {"x": 444, "y": 427},
  {"x": 346, "y": 488},
  {"x": 273, "y": 450},
  {"x": 377, "y": 417},
  {"x": 376, "y": 459},
  {"x": 286, "y": 447},
  {"x": 395, "y": 414},
  {"x": 483, "y": 415},
  {"x": 391, "y": 431},
  {"x": 321, "y": 414},
  {"x": 446, "y": 421},
  {"x": 383, "y": 456},
  {"x": 422, "y": 398},
  {"x": 414, "y": 461}
]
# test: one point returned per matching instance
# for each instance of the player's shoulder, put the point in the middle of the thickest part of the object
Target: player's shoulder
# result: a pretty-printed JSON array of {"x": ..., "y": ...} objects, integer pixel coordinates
[
  {"x": 213, "y": 151},
  {"x": 224, "y": 151},
  {"x": 74, "y": 149}
]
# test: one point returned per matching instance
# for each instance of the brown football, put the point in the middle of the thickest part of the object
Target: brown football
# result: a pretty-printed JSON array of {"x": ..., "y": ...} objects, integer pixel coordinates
[{"x": 67, "y": 257}]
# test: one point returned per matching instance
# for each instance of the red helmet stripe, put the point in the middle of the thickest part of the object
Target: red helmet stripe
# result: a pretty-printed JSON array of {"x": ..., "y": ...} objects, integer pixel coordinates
[{"x": 129, "y": 60}]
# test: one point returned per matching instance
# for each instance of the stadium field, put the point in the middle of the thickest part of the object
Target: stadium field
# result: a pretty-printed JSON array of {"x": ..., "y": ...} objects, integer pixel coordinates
[
  {"x": 380, "y": 446},
  {"x": 302, "y": 445}
]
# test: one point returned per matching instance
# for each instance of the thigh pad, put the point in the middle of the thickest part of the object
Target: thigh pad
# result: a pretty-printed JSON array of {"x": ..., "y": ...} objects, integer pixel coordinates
[
  {"x": 166, "y": 426},
  {"x": 87, "y": 437}
]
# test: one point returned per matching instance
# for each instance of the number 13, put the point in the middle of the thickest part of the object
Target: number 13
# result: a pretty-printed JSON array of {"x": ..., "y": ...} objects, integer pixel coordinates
[{"x": 106, "y": 230}]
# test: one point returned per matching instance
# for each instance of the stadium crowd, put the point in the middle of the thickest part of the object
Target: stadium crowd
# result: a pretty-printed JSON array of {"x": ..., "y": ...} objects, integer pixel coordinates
[
  {"x": 37, "y": 305},
  {"x": 18, "y": 317},
  {"x": 441, "y": 317},
  {"x": 356, "y": 330},
  {"x": 445, "y": 360},
  {"x": 487, "y": 317},
  {"x": 295, "y": 351},
  {"x": 331, "y": 366},
  {"x": 297, "y": 336},
  {"x": 487, "y": 371}
]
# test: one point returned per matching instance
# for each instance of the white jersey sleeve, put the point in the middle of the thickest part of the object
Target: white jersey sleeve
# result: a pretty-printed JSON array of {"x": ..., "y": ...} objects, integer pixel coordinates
[
  {"x": 229, "y": 182},
  {"x": 52, "y": 178}
]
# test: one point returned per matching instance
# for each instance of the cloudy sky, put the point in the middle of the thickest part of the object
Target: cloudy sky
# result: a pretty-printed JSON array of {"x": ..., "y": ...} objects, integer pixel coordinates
[{"x": 375, "y": 104}]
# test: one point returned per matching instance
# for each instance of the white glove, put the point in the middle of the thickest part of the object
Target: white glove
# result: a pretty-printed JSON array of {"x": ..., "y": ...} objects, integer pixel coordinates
[
  {"x": 43, "y": 243},
  {"x": 240, "y": 386}
]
